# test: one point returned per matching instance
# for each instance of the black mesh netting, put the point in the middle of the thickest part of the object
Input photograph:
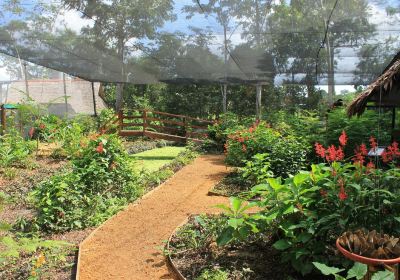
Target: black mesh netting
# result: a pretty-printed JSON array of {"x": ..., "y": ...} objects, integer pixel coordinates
[{"x": 342, "y": 42}]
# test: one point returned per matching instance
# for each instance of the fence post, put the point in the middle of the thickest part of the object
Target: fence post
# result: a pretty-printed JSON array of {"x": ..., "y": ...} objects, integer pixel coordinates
[
  {"x": 186, "y": 128},
  {"x": 120, "y": 121},
  {"x": 144, "y": 122},
  {"x": 3, "y": 119}
]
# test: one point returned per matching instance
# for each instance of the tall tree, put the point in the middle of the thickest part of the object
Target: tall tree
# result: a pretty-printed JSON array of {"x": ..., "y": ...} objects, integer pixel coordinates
[
  {"x": 222, "y": 12},
  {"x": 119, "y": 24},
  {"x": 298, "y": 29}
]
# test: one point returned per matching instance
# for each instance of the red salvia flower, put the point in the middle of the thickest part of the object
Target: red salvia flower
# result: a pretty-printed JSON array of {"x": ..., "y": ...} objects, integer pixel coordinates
[
  {"x": 370, "y": 167},
  {"x": 251, "y": 129},
  {"x": 31, "y": 132},
  {"x": 343, "y": 138},
  {"x": 331, "y": 155},
  {"x": 100, "y": 148},
  {"x": 339, "y": 154},
  {"x": 342, "y": 192},
  {"x": 363, "y": 149},
  {"x": 319, "y": 150}
]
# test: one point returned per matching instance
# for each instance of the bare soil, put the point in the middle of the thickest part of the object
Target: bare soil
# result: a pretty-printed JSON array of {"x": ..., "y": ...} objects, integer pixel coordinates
[{"x": 128, "y": 246}]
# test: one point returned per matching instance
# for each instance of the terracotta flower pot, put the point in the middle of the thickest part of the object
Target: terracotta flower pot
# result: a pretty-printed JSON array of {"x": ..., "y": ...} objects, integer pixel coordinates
[{"x": 365, "y": 260}]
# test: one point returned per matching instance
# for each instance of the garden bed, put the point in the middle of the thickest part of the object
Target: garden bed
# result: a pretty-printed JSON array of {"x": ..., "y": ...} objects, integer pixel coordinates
[
  {"x": 20, "y": 213},
  {"x": 194, "y": 254},
  {"x": 231, "y": 185}
]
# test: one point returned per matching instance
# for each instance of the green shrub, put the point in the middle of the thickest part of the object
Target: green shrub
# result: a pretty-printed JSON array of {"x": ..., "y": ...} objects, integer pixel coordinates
[
  {"x": 102, "y": 181},
  {"x": 310, "y": 210},
  {"x": 286, "y": 155},
  {"x": 359, "y": 129},
  {"x": 227, "y": 124},
  {"x": 14, "y": 150}
]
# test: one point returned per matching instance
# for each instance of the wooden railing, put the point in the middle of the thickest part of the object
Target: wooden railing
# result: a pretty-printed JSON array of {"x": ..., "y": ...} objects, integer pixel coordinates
[{"x": 160, "y": 125}]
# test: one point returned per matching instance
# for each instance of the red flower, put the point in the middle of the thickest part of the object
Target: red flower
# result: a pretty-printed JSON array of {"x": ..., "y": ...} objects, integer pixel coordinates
[
  {"x": 31, "y": 132},
  {"x": 342, "y": 192},
  {"x": 339, "y": 154},
  {"x": 251, "y": 129},
  {"x": 100, "y": 148},
  {"x": 241, "y": 140},
  {"x": 360, "y": 152},
  {"x": 323, "y": 193},
  {"x": 370, "y": 167},
  {"x": 363, "y": 149},
  {"x": 373, "y": 143},
  {"x": 42, "y": 126},
  {"x": 333, "y": 154},
  {"x": 343, "y": 138},
  {"x": 342, "y": 195},
  {"x": 319, "y": 150},
  {"x": 244, "y": 148}
]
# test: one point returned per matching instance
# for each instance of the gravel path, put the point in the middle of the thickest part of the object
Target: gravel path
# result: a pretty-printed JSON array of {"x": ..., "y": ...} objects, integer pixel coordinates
[{"x": 128, "y": 245}]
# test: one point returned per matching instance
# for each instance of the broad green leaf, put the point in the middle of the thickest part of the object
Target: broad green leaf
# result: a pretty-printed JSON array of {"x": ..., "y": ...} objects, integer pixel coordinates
[
  {"x": 327, "y": 270},
  {"x": 275, "y": 183},
  {"x": 304, "y": 237},
  {"x": 225, "y": 237},
  {"x": 236, "y": 203},
  {"x": 235, "y": 223},
  {"x": 358, "y": 271},
  {"x": 300, "y": 178},
  {"x": 281, "y": 244},
  {"x": 383, "y": 275}
]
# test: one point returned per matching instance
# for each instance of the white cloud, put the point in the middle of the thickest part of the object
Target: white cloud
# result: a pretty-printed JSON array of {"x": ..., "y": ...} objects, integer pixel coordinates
[{"x": 73, "y": 20}]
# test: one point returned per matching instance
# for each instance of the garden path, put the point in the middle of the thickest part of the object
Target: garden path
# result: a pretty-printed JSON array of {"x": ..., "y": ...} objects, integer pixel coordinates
[{"x": 128, "y": 246}]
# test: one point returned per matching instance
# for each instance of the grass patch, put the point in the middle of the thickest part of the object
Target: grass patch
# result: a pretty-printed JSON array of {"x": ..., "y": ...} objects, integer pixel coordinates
[{"x": 153, "y": 160}]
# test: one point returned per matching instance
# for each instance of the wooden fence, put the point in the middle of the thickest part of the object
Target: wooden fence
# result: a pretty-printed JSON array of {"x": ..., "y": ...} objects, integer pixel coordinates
[{"x": 160, "y": 125}]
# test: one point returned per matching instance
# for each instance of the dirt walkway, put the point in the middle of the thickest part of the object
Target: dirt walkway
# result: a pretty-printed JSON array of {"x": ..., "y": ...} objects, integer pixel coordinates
[{"x": 128, "y": 245}]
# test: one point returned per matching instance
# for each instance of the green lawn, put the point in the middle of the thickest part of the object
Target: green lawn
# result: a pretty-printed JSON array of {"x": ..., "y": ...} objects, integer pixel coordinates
[{"x": 153, "y": 160}]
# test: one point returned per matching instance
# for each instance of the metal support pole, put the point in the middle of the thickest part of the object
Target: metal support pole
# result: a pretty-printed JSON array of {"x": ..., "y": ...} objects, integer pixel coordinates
[
  {"x": 258, "y": 102},
  {"x": 94, "y": 101},
  {"x": 224, "y": 97},
  {"x": 65, "y": 96},
  {"x": 26, "y": 81}
]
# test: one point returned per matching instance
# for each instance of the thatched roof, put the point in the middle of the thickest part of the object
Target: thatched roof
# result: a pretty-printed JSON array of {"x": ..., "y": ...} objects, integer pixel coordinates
[{"x": 388, "y": 83}]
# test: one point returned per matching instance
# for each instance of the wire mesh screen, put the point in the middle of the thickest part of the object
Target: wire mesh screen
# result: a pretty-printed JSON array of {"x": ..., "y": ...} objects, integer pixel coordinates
[
  {"x": 325, "y": 42},
  {"x": 48, "y": 90}
]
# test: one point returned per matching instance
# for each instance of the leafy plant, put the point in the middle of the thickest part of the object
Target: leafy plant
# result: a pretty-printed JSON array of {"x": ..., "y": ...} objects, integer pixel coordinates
[
  {"x": 101, "y": 182},
  {"x": 285, "y": 154},
  {"x": 213, "y": 274},
  {"x": 311, "y": 209},
  {"x": 14, "y": 150},
  {"x": 358, "y": 271}
]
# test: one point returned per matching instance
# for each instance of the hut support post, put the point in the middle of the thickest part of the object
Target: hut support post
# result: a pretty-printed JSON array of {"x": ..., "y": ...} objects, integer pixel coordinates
[
  {"x": 94, "y": 100},
  {"x": 65, "y": 96},
  {"x": 258, "y": 101}
]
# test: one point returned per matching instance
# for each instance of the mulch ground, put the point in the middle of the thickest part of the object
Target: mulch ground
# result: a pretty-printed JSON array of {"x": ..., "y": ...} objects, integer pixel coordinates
[{"x": 128, "y": 246}]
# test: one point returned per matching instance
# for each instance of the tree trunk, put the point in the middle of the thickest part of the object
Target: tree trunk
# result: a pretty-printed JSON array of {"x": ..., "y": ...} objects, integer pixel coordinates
[
  {"x": 224, "y": 97},
  {"x": 119, "y": 100},
  {"x": 331, "y": 70},
  {"x": 258, "y": 101},
  {"x": 225, "y": 86}
]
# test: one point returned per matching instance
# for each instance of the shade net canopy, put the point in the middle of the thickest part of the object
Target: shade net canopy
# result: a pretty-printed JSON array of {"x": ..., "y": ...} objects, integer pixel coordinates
[{"x": 325, "y": 42}]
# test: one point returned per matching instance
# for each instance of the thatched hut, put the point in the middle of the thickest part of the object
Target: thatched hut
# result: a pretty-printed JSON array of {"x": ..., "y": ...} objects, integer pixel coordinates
[{"x": 384, "y": 92}]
